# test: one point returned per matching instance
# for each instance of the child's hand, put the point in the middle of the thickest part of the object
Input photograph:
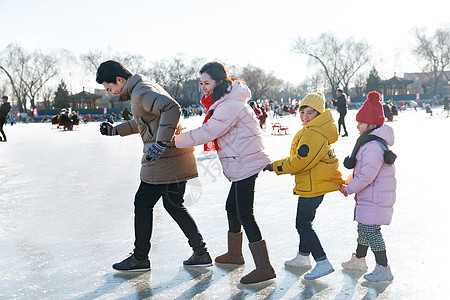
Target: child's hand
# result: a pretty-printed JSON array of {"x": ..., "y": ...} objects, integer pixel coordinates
[
  {"x": 269, "y": 167},
  {"x": 350, "y": 178},
  {"x": 343, "y": 191}
]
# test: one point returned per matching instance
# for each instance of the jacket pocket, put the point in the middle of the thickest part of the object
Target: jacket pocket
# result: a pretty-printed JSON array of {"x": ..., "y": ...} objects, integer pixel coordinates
[{"x": 303, "y": 182}]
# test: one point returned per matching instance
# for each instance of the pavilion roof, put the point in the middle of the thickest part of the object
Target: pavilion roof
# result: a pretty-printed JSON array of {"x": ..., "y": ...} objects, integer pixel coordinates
[
  {"x": 396, "y": 81},
  {"x": 84, "y": 96}
]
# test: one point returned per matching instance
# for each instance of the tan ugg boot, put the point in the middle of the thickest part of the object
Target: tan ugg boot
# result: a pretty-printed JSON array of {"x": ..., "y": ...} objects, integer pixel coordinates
[
  {"x": 264, "y": 270},
  {"x": 234, "y": 254}
]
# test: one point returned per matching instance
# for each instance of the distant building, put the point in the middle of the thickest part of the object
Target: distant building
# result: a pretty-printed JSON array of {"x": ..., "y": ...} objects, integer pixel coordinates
[
  {"x": 110, "y": 101},
  {"x": 423, "y": 83}
]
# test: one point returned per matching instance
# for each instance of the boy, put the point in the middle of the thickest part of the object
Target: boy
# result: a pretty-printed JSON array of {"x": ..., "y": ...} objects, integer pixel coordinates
[{"x": 315, "y": 166}]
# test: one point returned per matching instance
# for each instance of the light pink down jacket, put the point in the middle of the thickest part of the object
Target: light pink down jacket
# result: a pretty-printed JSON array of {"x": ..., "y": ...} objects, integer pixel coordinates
[
  {"x": 374, "y": 182},
  {"x": 236, "y": 129}
]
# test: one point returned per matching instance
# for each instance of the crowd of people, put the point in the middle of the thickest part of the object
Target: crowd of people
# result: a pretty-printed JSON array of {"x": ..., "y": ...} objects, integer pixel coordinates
[{"x": 232, "y": 129}]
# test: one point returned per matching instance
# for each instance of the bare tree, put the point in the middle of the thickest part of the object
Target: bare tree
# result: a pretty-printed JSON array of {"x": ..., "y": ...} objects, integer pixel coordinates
[
  {"x": 260, "y": 82},
  {"x": 27, "y": 72},
  {"x": 339, "y": 60},
  {"x": 46, "y": 95},
  {"x": 434, "y": 51},
  {"x": 93, "y": 58}
]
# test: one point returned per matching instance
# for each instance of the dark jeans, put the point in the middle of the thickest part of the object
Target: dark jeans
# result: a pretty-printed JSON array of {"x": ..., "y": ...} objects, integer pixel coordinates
[
  {"x": 2, "y": 122},
  {"x": 309, "y": 241},
  {"x": 341, "y": 121},
  {"x": 146, "y": 198},
  {"x": 239, "y": 208}
]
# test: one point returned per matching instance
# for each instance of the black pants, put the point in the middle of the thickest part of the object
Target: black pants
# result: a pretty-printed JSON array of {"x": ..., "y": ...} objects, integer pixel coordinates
[
  {"x": 341, "y": 121},
  {"x": 146, "y": 198},
  {"x": 2, "y": 122},
  {"x": 239, "y": 208},
  {"x": 309, "y": 241}
]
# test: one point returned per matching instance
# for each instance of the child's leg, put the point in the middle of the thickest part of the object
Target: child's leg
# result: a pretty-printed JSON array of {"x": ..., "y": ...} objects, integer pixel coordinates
[
  {"x": 363, "y": 243},
  {"x": 309, "y": 241},
  {"x": 376, "y": 242}
]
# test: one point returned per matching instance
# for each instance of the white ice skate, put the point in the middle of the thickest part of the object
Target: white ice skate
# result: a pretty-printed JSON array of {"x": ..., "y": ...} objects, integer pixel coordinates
[
  {"x": 380, "y": 273},
  {"x": 321, "y": 269},
  {"x": 355, "y": 263},
  {"x": 300, "y": 261}
]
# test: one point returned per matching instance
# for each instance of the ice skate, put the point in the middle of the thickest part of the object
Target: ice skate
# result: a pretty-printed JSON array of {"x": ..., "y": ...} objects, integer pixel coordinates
[
  {"x": 355, "y": 263},
  {"x": 321, "y": 269},
  {"x": 300, "y": 261}
]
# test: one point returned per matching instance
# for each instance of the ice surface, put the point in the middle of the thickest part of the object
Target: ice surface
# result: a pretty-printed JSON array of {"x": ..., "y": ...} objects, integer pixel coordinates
[{"x": 66, "y": 215}]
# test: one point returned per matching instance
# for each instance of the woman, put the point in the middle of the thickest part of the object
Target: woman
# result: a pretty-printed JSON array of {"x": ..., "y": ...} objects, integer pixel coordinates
[{"x": 231, "y": 128}]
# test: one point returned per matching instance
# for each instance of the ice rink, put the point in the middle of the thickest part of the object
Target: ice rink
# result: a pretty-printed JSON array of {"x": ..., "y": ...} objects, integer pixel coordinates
[{"x": 66, "y": 215}]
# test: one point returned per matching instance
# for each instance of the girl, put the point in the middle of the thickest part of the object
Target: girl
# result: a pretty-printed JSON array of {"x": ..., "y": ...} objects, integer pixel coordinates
[
  {"x": 374, "y": 184},
  {"x": 315, "y": 166},
  {"x": 231, "y": 128}
]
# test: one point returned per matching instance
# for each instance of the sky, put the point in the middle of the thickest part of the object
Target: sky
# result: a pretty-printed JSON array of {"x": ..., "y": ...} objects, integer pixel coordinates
[{"x": 259, "y": 33}]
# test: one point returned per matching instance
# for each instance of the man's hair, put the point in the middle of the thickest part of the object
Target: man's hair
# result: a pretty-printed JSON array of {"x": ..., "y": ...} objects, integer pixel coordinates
[
  {"x": 109, "y": 70},
  {"x": 5, "y": 97}
]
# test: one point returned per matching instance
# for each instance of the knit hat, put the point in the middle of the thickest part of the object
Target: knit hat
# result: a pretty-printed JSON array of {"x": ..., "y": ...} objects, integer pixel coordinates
[
  {"x": 372, "y": 110},
  {"x": 315, "y": 100}
]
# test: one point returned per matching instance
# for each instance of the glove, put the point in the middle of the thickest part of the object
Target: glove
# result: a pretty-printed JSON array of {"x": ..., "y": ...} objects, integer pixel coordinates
[
  {"x": 155, "y": 151},
  {"x": 343, "y": 191},
  {"x": 269, "y": 167},
  {"x": 107, "y": 129}
]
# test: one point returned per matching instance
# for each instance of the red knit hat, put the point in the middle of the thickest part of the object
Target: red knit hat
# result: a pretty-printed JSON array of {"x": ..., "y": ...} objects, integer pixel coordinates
[{"x": 372, "y": 111}]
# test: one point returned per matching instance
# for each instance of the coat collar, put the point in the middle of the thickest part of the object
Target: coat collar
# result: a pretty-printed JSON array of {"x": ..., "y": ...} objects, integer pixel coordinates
[{"x": 125, "y": 95}]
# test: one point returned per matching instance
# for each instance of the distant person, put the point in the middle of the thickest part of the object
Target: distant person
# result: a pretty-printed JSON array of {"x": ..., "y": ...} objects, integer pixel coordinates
[
  {"x": 341, "y": 104},
  {"x": 373, "y": 183},
  {"x": 428, "y": 109},
  {"x": 75, "y": 119},
  {"x": 315, "y": 166},
  {"x": 413, "y": 104},
  {"x": 88, "y": 118},
  {"x": 64, "y": 120},
  {"x": 258, "y": 112},
  {"x": 230, "y": 128},
  {"x": 263, "y": 117},
  {"x": 388, "y": 112},
  {"x": 5, "y": 108},
  {"x": 126, "y": 114},
  {"x": 111, "y": 118},
  {"x": 12, "y": 119},
  {"x": 446, "y": 103},
  {"x": 164, "y": 170}
]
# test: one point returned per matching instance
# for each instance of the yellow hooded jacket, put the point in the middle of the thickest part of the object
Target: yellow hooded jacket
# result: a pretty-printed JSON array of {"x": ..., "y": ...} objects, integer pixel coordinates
[{"x": 312, "y": 159}]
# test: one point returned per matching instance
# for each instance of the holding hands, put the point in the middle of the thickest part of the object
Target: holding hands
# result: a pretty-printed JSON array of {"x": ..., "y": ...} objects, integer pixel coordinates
[
  {"x": 269, "y": 167},
  {"x": 343, "y": 191},
  {"x": 155, "y": 150}
]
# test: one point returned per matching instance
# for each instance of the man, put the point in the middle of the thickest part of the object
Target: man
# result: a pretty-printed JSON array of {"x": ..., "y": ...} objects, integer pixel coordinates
[
  {"x": 341, "y": 105},
  {"x": 5, "y": 108},
  {"x": 164, "y": 170}
]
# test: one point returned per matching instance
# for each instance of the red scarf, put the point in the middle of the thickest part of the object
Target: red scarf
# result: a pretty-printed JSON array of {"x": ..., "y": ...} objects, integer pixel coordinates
[{"x": 207, "y": 101}]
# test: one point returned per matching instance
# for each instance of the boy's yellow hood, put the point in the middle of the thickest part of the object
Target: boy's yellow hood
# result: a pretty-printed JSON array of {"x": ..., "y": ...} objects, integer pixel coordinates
[{"x": 325, "y": 125}]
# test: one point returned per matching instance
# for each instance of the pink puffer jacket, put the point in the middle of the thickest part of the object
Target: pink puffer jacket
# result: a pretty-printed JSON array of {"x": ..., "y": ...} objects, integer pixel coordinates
[
  {"x": 374, "y": 182},
  {"x": 236, "y": 129}
]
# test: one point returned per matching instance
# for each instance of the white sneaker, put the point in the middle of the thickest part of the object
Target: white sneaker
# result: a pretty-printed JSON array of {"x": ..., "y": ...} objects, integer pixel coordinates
[
  {"x": 300, "y": 261},
  {"x": 380, "y": 273},
  {"x": 322, "y": 268},
  {"x": 355, "y": 263}
]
